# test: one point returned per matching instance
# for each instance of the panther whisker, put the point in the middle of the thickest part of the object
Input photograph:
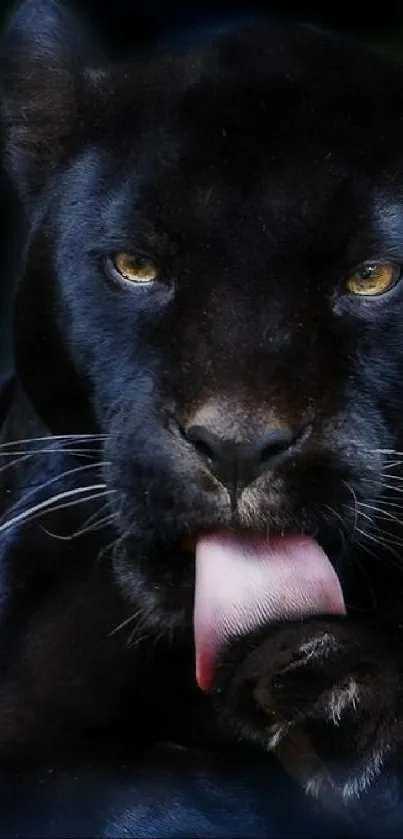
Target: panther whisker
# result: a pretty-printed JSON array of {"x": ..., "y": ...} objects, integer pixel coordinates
[
  {"x": 394, "y": 560},
  {"x": 98, "y": 524},
  {"x": 393, "y": 487},
  {"x": 23, "y": 456},
  {"x": 382, "y": 544},
  {"x": 394, "y": 452},
  {"x": 366, "y": 516},
  {"x": 54, "y": 479},
  {"x": 103, "y": 550},
  {"x": 384, "y": 513},
  {"x": 391, "y": 539},
  {"x": 380, "y": 515},
  {"x": 134, "y": 641},
  {"x": 135, "y": 638},
  {"x": 390, "y": 542},
  {"x": 73, "y": 503},
  {"x": 367, "y": 581},
  {"x": 387, "y": 541},
  {"x": 93, "y": 516},
  {"x": 394, "y": 464},
  {"x": 17, "y": 461},
  {"x": 384, "y": 517},
  {"x": 355, "y": 499},
  {"x": 125, "y": 623},
  {"x": 334, "y": 514},
  {"x": 54, "y": 450},
  {"x": 384, "y": 501},
  {"x": 378, "y": 481},
  {"x": 60, "y": 437},
  {"x": 49, "y": 503}
]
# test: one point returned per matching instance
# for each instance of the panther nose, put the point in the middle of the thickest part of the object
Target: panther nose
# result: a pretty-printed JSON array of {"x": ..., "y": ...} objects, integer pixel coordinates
[{"x": 237, "y": 463}]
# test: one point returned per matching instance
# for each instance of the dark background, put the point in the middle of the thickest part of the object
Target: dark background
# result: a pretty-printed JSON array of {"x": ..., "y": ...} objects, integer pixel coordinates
[{"x": 125, "y": 25}]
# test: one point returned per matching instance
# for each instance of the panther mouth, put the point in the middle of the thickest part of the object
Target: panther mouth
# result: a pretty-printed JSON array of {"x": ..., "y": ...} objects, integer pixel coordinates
[{"x": 243, "y": 582}]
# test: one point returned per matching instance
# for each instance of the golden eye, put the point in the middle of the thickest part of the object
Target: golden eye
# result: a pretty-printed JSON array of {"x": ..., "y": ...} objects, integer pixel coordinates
[
  {"x": 135, "y": 269},
  {"x": 371, "y": 280}
]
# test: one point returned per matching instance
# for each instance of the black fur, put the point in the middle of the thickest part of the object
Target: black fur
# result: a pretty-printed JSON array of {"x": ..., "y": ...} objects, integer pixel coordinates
[{"x": 257, "y": 166}]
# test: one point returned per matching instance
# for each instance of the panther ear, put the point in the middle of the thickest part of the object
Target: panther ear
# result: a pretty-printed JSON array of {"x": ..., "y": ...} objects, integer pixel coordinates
[{"x": 42, "y": 57}]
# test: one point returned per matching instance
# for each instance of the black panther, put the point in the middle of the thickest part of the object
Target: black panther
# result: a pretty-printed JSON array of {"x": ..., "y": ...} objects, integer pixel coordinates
[{"x": 201, "y": 458}]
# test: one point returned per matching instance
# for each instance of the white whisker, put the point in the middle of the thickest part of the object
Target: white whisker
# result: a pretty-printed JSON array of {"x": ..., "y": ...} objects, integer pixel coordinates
[
  {"x": 383, "y": 512},
  {"x": 366, "y": 516},
  {"x": 383, "y": 501},
  {"x": 88, "y": 521},
  {"x": 23, "y": 456},
  {"x": 59, "y": 437},
  {"x": 354, "y": 494},
  {"x": 54, "y": 479},
  {"x": 381, "y": 543},
  {"x": 50, "y": 503},
  {"x": 376, "y": 483},
  {"x": 110, "y": 546},
  {"x": 82, "y": 531},
  {"x": 393, "y": 452},
  {"x": 17, "y": 461},
  {"x": 91, "y": 523},
  {"x": 125, "y": 622},
  {"x": 56, "y": 450}
]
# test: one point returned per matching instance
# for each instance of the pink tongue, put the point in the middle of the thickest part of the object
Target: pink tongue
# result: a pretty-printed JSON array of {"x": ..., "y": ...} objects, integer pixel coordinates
[{"x": 242, "y": 584}]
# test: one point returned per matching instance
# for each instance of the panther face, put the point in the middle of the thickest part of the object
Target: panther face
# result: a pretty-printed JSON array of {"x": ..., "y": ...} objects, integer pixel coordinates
[{"x": 212, "y": 281}]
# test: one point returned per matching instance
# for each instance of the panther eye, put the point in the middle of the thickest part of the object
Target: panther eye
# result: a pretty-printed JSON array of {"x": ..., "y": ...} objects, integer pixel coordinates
[
  {"x": 134, "y": 269},
  {"x": 373, "y": 279}
]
